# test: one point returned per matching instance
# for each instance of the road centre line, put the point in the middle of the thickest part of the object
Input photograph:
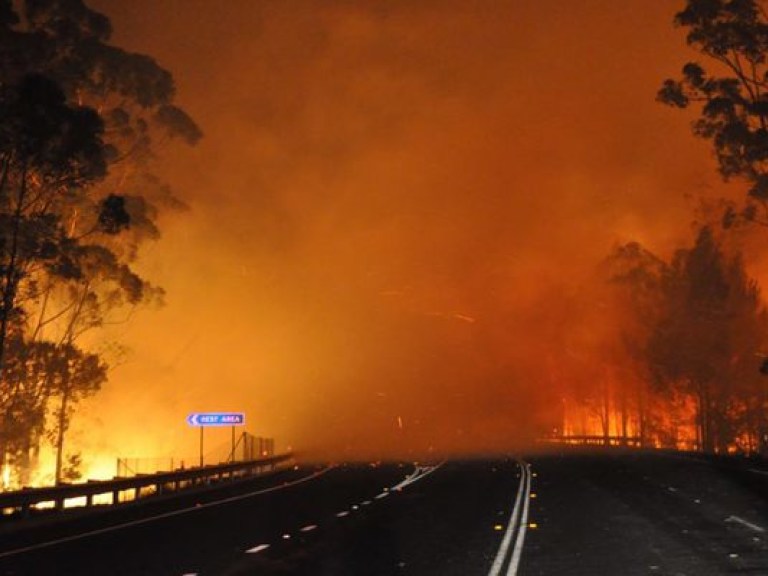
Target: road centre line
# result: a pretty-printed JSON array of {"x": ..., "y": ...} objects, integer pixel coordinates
[
  {"x": 171, "y": 514},
  {"x": 518, "y": 551},
  {"x": 746, "y": 523},
  {"x": 501, "y": 555}
]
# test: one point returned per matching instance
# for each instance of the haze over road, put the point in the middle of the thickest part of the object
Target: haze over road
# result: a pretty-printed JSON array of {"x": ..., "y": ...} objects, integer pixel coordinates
[{"x": 578, "y": 513}]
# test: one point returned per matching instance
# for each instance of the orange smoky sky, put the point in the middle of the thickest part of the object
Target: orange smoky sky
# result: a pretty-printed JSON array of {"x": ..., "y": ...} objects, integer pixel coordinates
[{"x": 389, "y": 202}]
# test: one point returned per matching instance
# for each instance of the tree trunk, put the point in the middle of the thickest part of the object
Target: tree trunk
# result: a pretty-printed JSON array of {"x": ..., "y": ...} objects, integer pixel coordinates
[
  {"x": 705, "y": 420},
  {"x": 62, "y": 424},
  {"x": 10, "y": 280},
  {"x": 641, "y": 415}
]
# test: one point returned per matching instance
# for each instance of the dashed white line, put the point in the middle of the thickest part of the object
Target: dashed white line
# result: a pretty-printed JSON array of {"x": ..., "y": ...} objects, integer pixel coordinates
[
  {"x": 419, "y": 473},
  {"x": 142, "y": 521},
  {"x": 746, "y": 523}
]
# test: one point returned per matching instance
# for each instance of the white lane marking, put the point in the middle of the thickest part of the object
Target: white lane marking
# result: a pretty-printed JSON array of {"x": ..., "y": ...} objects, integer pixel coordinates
[
  {"x": 746, "y": 523},
  {"x": 756, "y": 471},
  {"x": 518, "y": 551},
  {"x": 419, "y": 473},
  {"x": 257, "y": 549},
  {"x": 190, "y": 574},
  {"x": 367, "y": 503},
  {"x": 142, "y": 521},
  {"x": 309, "y": 528},
  {"x": 382, "y": 495},
  {"x": 286, "y": 536},
  {"x": 342, "y": 514},
  {"x": 501, "y": 555}
]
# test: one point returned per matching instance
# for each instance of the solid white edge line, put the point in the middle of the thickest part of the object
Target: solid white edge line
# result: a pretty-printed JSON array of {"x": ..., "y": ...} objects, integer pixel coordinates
[
  {"x": 518, "y": 550},
  {"x": 124, "y": 525},
  {"x": 501, "y": 555},
  {"x": 746, "y": 523}
]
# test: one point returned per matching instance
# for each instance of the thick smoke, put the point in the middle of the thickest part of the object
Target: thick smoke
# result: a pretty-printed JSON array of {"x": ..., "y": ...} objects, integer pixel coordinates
[{"x": 390, "y": 204}]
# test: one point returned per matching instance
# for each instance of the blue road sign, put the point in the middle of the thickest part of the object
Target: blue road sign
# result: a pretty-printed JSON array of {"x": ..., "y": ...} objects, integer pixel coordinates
[{"x": 216, "y": 419}]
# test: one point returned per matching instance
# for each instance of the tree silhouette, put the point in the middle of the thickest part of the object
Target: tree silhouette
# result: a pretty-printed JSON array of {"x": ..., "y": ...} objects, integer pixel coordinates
[
  {"x": 77, "y": 199},
  {"x": 731, "y": 93}
]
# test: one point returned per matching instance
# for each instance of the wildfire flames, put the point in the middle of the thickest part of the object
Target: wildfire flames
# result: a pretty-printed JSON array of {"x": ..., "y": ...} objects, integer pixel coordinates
[{"x": 416, "y": 230}]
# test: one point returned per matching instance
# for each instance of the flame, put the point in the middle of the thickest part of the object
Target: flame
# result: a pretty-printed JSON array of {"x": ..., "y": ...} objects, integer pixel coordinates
[{"x": 674, "y": 422}]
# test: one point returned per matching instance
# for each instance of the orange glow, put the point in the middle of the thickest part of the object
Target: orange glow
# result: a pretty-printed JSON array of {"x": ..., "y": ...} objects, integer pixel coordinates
[
  {"x": 674, "y": 425},
  {"x": 396, "y": 215}
]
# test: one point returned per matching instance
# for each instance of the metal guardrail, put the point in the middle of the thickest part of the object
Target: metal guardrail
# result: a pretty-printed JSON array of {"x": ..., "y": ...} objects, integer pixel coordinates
[
  {"x": 22, "y": 501},
  {"x": 582, "y": 440}
]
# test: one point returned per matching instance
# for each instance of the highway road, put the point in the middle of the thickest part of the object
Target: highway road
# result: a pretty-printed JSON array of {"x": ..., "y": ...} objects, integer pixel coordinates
[{"x": 560, "y": 514}]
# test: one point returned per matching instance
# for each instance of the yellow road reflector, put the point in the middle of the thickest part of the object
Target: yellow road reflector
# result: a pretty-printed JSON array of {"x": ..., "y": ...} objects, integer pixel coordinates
[
  {"x": 498, "y": 527},
  {"x": 533, "y": 525},
  {"x": 533, "y": 494}
]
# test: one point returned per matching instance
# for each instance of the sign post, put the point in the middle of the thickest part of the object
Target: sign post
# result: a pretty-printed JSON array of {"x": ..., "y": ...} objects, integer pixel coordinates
[{"x": 203, "y": 420}]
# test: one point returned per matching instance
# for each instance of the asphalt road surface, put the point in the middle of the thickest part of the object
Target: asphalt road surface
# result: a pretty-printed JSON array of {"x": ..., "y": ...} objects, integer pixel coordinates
[
  {"x": 571, "y": 514},
  {"x": 646, "y": 514}
]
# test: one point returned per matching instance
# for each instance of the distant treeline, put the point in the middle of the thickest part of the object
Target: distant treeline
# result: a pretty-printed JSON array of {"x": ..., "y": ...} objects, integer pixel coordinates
[{"x": 680, "y": 365}]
